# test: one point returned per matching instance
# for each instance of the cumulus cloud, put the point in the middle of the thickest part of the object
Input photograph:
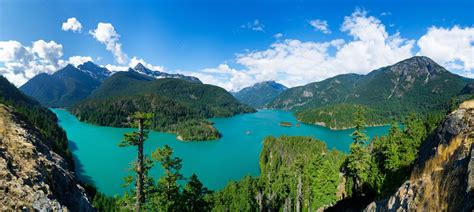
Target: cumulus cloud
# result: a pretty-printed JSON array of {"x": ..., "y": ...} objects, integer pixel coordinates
[
  {"x": 133, "y": 62},
  {"x": 320, "y": 25},
  {"x": 225, "y": 77},
  {"x": 20, "y": 63},
  {"x": 75, "y": 60},
  {"x": 294, "y": 62},
  {"x": 256, "y": 25},
  {"x": 49, "y": 51},
  {"x": 106, "y": 34},
  {"x": 451, "y": 47},
  {"x": 72, "y": 24}
]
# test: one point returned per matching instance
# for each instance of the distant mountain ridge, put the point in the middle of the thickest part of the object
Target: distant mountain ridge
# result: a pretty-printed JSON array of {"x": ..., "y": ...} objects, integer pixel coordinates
[
  {"x": 65, "y": 87},
  {"x": 417, "y": 84},
  {"x": 260, "y": 93},
  {"x": 158, "y": 74},
  {"x": 178, "y": 106},
  {"x": 70, "y": 85}
]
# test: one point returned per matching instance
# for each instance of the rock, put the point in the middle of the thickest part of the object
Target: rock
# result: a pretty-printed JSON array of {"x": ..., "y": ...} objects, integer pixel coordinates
[
  {"x": 443, "y": 176},
  {"x": 32, "y": 176}
]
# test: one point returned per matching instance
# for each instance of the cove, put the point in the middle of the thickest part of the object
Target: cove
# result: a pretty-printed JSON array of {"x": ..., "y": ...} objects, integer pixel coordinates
[{"x": 101, "y": 162}]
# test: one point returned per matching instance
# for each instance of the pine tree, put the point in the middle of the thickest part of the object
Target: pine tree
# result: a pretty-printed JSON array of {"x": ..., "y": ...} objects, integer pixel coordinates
[
  {"x": 193, "y": 195},
  {"x": 141, "y": 121},
  {"x": 167, "y": 196},
  {"x": 359, "y": 135}
]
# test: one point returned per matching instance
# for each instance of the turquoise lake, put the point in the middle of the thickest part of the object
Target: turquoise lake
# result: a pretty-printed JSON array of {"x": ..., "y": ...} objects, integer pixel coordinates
[{"x": 101, "y": 162}]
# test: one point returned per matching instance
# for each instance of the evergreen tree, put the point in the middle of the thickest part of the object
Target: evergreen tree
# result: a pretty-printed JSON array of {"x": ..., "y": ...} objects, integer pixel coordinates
[
  {"x": 359, "y": 135},
  {"x": 193, "y": 195},
  {"x": 168, "y": 190},
  {"x": 358, "y": 160},
  {"x": 141, "y": 121}
]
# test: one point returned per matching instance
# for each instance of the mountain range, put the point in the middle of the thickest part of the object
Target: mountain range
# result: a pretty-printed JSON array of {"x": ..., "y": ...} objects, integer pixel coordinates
[
  {"x": 260, "y": 93},
  {"x": 417, "y": 84},
  {"x": 70, "y": 85},
  {"x": 178, "y": 106}
]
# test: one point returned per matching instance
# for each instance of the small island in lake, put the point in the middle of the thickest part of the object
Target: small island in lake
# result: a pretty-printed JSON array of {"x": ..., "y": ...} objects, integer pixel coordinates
[{"x": 286, "y": 124}]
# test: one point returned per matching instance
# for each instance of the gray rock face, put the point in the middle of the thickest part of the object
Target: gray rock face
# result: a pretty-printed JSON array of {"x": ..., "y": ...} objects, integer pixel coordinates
[
  {"x": 32, "y": 176},
  {"x": 443, "y": 177}
]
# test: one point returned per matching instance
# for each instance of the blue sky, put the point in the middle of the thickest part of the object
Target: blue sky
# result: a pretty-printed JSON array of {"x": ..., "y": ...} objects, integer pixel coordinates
[{"x": 233, "y": 43}]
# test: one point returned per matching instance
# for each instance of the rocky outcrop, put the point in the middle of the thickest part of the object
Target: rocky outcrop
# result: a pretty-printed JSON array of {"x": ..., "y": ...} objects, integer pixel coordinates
[
  {"x": 32, "y": 176},
  {"x": 443, "y": 176}
]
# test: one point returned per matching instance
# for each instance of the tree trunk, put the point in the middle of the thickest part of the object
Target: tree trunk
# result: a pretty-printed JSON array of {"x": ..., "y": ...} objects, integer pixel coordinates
[{"x": 140, "y": 195}]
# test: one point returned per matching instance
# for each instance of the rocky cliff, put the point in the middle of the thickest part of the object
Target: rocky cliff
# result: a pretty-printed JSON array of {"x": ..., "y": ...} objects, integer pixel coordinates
[
  {"x": 32, "y": 176},
  {"x": 443, "y": 176}
]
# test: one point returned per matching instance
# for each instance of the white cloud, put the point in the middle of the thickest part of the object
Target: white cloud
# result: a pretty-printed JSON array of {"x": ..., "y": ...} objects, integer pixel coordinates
[
  {"x": 14, "y": 51},
  {"x": 133, "y": 62},
  {"x": 320, "y": 25},
  {"x": 50, "y": 51},
  {"x": 256, "y": 25},
  {"x": 278, "y": 35},
  {"x": 106, "y": 34},
  {"x": 72, "y": 24},
  {"x": 20, "y": 63},
  {"x": 75, "y": 60},
  {"x": 452, "y": 48},
  {"x": 225, "y": 77},
  {"x": 293, "y": 62}
]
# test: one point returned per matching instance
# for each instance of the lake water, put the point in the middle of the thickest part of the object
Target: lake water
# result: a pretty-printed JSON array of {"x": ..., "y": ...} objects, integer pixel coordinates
[{"x": 100, "y": 161}]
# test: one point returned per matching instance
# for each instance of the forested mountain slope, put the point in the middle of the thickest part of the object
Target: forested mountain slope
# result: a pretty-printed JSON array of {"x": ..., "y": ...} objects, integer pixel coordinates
[
  {"x": 61, "y": 89},
  {"x": 178, "y": 105},
  {"x": 260, "y": 94},
  {"x": 417, "y": 85}
]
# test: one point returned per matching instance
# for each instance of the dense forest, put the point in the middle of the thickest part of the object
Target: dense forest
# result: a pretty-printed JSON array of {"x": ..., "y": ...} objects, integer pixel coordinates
[
  {"x": 340, "y": 116},
  {"x": 44, "y": 120},
  {"x": 178, "y": 106}
]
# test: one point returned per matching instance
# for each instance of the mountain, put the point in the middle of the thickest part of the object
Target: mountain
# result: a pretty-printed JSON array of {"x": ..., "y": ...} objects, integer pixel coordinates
[
  {"x": 417, "y": 85},
  {"x": 260, "y": 94},
  {"x": 63, "y": 88},
  {"x": 178, "y": 106},
  {"x": 443, "y": 176},
  {"x": 158, "y": 74},
  {"x": 35, "y": 163},
  {"x": 95, "y": 71}
]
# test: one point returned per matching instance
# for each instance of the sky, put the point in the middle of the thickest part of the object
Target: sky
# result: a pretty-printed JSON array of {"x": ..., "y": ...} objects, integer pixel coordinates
[{"x": 234, "y": 44}]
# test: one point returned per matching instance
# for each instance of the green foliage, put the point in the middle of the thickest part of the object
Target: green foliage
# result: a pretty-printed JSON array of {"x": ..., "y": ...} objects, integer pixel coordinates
[
  {"x": 381, "y": 167},
  {"x": 416, "y": 85},
  {"x": 359, "y": 135},
  {"x": 294, "y": 171},
  {"x": 167, "y": 197},
  {"x": 237, "y": 196},
  {"x": 178, "y": 106},
  {"x": 105, "y": 203},
  {"x": 43, "y": 119},
  {"x": 194, "y": 194},
  {"x": 358, "y": 165},
  {"x": 340, "y": 116}
]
